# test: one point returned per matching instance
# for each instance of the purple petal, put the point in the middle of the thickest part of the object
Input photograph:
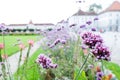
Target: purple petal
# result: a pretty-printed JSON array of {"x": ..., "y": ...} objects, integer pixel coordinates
[
  {"x": 82, "y": 26},
  {"x": 88, "y": 22},
  {"x": 93, "y": 29}
]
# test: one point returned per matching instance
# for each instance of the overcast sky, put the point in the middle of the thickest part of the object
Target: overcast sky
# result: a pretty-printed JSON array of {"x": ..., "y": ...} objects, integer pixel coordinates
[{"x": 42, "y": 11}]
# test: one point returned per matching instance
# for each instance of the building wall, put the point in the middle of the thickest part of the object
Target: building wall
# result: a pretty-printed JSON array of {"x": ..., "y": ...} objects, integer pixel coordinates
[
  {"x": 31, "y": 26},
  {"x": 42, "y": 27},
  {"x": 110, "y": 21},
  {"x": 61, "y": 25},
  {"x": 16, "y": 27},
  {"x": 81, "y": 20}
]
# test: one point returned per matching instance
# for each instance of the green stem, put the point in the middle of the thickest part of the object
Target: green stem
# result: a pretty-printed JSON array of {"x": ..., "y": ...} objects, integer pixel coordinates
[
  {"x": 4, "y": 50},
  {"x": 102, "y": 65},
  {"x": 27, "y": 55},
  {"x": 3, "y": 42},
  {"x": 4, "y": 72},
  {"x": 38, "y": 69},
  {"x": 9, "y": 72},
  {"x": 19, "y": 62},
  {"x": 25, "y": 63},
  {"x": 79, "y": 73},
  {"x": 3, "y": 67}
]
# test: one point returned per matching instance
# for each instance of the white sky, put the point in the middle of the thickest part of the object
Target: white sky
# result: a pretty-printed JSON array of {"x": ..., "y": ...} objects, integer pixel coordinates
[{"x": 42, "y": 11}]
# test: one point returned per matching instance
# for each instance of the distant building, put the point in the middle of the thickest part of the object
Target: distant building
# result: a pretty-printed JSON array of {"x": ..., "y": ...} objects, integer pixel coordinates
[
  {"x": 31, "y": 25},
  {"x": 81, "y": 17},
  {"x": 29, "y": 28},
  {"x": 62, "y": 24},
  {"x": 109, "y": 19}
]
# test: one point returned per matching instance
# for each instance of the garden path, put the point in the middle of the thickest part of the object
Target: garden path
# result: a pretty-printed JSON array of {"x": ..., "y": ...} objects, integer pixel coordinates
[{"x": 13, "y": 60}]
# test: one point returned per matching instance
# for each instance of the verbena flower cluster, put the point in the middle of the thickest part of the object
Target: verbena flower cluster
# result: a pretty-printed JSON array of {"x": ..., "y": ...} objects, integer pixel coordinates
[
  {"x": 82, "y": 26},
  {"x": 56, "y": 42},
  {"x": 93, "y": 29},
  {"x": 89, "y": 22},
  {"x": 95, "y": 43},
  {"x": 101, "y": 52},
  {"x": 99, "y": 75},
  {"x": 59, "y": 35},
  {"x": 96, "y": 19},
  {"x": 45, "y": 62},
  {"x": 91, "y": 39},
  {"x": 2, "y": 26},
  {"x": 72, "y": 25}
]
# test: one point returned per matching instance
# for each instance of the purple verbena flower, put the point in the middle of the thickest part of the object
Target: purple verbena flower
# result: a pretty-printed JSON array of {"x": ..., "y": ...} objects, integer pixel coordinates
[
  {"x": 45, "y": 62},
  {"x": 2, "y": 26},
  {"x": 101, "y": 52},
  {"x": 93, "y": 29},
  {"x": 58, "y": 29},
  {"x": 53, "y": 65},
  {"x": 99, "y": 75},
  {"x": 82, "y": 26},
  {"x": 88, "y": 22},
  {"x": 54, "y": 43},
  {"x": 90, "y": 39},
  {"x": 57, "y": 41},
  {"x": 72, "y": 25},
  {"x": 91, "y": 66},
  {"x": 96, "y": 19},
  {"x": 63, "y": 41}
]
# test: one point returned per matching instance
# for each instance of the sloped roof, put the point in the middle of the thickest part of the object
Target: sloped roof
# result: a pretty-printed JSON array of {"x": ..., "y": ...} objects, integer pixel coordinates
[
  {"x": 39, "y": 24},
  {"x": 80, "y": 12},
  {"x": 115, "y": 6},
  {"x": 36, "y": 24},
  {"x": 17, "y": 24},
  {"x": 63, "y": 21}
]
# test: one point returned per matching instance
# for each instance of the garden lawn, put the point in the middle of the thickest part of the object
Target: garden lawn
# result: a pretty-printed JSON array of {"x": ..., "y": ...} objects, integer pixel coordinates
[{"x": 11, "y": 40}]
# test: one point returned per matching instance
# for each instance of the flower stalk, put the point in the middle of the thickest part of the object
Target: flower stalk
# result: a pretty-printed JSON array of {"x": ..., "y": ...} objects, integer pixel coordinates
[
  {"x": 19, "y": 62},
  {"x": 79, "y": 73}
]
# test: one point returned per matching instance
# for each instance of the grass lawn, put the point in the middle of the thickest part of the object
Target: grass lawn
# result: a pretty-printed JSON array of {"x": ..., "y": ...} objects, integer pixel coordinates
[{"x": 10, "y": 42}]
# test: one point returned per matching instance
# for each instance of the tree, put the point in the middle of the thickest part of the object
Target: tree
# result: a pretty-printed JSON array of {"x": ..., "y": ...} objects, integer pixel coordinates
[{"x": 94, "y": 7}]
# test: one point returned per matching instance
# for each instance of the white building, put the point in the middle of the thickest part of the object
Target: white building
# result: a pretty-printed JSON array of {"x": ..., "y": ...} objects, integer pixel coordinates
[
  {"x": 81, "y": 17},
  {"x": 109, "y": 19},
  {"x": 62, "y": 24},
  {"x": 35, "y": 26}
]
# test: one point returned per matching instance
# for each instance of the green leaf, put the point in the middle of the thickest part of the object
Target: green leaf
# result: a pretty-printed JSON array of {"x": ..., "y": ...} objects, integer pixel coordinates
[{"x": 80, "y": 77}]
